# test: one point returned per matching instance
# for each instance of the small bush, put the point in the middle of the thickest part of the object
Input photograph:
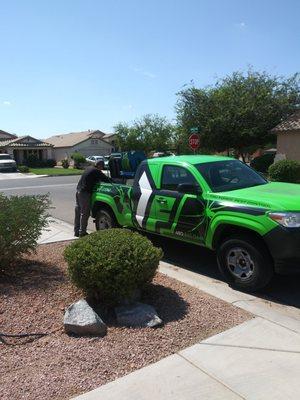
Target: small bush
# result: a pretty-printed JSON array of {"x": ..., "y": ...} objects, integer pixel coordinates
[
  {"x": 112, "y": 264},
  {"x": 23, "y": 168},
  {"x": 50, "y": 163},
  {"x": 33, "y": 161},
  {"x": 22, "y": 219},
  {"x": 65, "y": 163},
  {"x": 285, "y": 171},
  {"x": 262, "y": 163},
  {"x": 78, "y": 159}
]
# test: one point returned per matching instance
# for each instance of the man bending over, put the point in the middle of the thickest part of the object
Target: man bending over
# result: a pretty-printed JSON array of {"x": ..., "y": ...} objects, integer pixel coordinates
[{"x": 89, "y": 178}]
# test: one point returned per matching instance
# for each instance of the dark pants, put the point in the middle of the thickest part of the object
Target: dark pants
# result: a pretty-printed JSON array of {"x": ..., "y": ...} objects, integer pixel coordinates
[{"x": 82, "y": 212}]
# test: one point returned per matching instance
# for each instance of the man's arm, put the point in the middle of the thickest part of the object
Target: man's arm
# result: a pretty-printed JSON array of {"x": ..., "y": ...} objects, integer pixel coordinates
[{"x": 103, "y": 178}]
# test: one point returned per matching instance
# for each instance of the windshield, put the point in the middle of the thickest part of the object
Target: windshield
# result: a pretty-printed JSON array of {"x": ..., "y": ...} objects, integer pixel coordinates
[
  {"x": 223, "y": 176},
  {"x": 5, "y": 157}
]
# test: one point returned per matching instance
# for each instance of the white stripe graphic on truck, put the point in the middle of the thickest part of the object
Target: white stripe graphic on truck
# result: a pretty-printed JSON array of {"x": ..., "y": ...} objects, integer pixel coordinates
[{"x": 146, "y": 191}]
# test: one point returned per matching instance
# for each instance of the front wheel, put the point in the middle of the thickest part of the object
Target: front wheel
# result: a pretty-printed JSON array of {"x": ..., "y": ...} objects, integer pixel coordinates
[
  {"x": 105, "y": 220},
  {"x": 245, "y": 263}
]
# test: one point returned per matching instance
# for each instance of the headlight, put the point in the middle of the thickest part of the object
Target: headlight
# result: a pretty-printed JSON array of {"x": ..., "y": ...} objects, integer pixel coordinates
[{"x": 289, "y": 219}]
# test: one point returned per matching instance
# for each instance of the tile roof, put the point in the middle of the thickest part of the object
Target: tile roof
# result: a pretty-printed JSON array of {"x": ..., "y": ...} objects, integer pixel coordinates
[
  {"x": 16, "y": 143},
  {"x": 6, "y": 136},
  {"x": 108, "y": 135},
  {"x": 292, "y": 123},
  {"x": 73, "y": 138}
]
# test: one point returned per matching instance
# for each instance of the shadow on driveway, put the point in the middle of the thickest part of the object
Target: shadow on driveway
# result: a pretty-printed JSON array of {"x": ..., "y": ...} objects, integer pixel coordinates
[{"x": 283, "y": 289}]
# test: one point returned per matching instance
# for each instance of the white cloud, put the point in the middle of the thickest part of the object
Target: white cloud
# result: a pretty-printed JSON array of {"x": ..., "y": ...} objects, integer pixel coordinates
[
  {"x": 6, "y": 103},
  {"x": 143, "y": 72},
  {"x": 128, "y": 107},
  {"x": 241, "y": 25}
]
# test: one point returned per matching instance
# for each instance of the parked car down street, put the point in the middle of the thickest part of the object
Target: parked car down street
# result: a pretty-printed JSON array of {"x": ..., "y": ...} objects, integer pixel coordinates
[
  {"x": 7, "y": 163},
  {"x": 94, "y": 159}
]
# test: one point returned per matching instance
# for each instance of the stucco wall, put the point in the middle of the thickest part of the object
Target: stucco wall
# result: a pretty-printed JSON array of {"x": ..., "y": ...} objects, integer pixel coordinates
[
  {"x": 91, "y": 147},
  {"x": 289, "y": 144}
]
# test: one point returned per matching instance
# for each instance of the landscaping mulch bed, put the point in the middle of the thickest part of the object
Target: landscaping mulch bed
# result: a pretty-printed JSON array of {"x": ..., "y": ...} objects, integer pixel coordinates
[{"x": 58, "y": 366}]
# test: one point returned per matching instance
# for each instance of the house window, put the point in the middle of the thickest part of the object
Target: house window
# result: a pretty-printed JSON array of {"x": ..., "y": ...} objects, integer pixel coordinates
[{"x": 94, "y": 141}]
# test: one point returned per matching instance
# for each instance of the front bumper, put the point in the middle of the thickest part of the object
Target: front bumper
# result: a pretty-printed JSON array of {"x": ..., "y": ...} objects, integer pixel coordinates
[
  {"x": 284, "y": 246},
  {"x": 10, "y": 167}
]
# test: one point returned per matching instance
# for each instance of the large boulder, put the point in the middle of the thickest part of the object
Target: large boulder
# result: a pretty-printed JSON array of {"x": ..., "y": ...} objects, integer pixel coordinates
[
  {"x": 81, "y": 319},
  {"x": 137, "y": 315}
]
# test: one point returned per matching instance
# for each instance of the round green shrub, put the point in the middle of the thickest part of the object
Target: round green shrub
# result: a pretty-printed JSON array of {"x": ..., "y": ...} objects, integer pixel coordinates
[
  {"x": 50, "y": 163},
  {"x": 112, "y": 264},
  {"x": 23, "y": 168},
  {"x": 22, "y": 219},
  {"x": 285, "y": 171},
  {"x": 79, "y": 159},
  {"x": 65, "y": 163},
  {"x": 262, "y": 163}
]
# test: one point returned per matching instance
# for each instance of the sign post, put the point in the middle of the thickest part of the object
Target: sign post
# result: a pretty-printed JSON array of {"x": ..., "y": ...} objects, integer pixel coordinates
[{"x": 194, "y": 139}]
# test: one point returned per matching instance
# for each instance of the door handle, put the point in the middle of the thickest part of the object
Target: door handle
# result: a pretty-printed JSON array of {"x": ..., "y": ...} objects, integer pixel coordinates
[{"x": 161, "y": 201}]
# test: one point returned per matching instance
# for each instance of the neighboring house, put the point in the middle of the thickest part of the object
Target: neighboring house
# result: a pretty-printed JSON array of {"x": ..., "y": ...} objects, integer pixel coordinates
[
  {"x": 6, "y": 136},
  {"x": 21, "y": 147},
  {"x": 288, "y": 138},
  {"x": 112, "y": 139},
  {"x": 88, "y": 143}
]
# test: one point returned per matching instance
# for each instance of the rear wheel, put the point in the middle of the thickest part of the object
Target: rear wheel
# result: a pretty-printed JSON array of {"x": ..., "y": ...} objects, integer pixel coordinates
[
  {"x": 105, "y": 220},
  {"x": 245, "y": 263}
]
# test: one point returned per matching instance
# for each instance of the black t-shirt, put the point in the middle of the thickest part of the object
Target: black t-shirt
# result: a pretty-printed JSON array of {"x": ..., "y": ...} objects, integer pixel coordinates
[{"x": 89, "y": 178}]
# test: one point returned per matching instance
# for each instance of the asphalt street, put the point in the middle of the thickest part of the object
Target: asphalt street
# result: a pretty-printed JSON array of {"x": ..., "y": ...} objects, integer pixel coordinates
[
  {"x": 283, "y": 289},
  {"x": 61, "y": 190}
]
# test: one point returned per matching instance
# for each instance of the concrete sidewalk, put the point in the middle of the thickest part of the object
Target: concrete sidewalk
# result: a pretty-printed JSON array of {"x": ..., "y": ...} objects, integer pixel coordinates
[
  {"x": 57, "y": 231},
  {"x": 18, "y": 175},
  {"x": 259, "y": 359},
  {"x": 255, "y": 360}
]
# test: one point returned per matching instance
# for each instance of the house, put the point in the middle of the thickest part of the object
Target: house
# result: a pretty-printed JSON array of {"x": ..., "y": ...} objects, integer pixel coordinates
[
  {"x": 21, "y": 147},
  {"x": 112, "y": 139},
  {"x": 288, "y": 138},
  {"x": 87, "y": 143}
]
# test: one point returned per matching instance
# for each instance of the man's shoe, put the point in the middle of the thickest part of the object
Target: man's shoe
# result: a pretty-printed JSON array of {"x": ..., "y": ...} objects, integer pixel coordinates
[
  {"x": 76, "y": 234},
  {"x": 83, "y": 234}
]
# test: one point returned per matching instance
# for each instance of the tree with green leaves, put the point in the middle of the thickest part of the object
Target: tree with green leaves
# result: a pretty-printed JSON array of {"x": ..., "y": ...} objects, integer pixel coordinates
[
  {"x": 238, "y": 112},
  {"x": 150, "y": 133}
]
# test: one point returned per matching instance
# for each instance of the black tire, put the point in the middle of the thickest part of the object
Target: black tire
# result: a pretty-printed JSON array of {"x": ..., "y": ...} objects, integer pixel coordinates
[
  {"x": 105, "y": 219},
  {"x": 245, "y": 263}
]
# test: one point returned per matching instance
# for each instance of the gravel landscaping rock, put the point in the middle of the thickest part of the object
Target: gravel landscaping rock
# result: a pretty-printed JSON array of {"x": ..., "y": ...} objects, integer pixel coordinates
[
  {"x": 137, "y": 315},
  {"x": 58, "y": 366},
  {"x": 81, "y": 319}
]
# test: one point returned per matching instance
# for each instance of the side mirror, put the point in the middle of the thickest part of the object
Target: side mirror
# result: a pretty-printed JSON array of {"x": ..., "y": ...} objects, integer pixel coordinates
[{"x": 189, "y": 188}]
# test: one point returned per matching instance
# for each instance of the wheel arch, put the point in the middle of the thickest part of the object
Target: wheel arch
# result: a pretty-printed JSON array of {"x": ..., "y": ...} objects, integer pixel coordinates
[
  {"x": 226, "y": 230},
  {"x": 102, "y": 205}
]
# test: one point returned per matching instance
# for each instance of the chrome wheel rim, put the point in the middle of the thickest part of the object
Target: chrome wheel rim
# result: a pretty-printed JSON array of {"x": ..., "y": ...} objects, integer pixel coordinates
[
  {"x": 240, "y": 263},
  {"x": 104, "y": 222}
]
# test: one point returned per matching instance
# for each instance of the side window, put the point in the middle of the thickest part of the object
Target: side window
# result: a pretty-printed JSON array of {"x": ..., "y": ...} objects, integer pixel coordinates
[{"x": 173, "y": 175}]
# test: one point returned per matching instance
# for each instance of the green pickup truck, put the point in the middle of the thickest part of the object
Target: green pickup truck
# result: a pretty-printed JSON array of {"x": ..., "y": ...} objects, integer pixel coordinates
[{"x": 216, "y": 202}]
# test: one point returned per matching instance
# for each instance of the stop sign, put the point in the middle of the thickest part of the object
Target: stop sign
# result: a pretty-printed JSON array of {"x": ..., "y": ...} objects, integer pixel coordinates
[{"x": 194, "y": 141}]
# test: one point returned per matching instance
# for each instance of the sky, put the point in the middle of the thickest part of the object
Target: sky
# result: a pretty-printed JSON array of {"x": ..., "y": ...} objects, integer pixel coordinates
[{"x": 73, "y": 65}]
